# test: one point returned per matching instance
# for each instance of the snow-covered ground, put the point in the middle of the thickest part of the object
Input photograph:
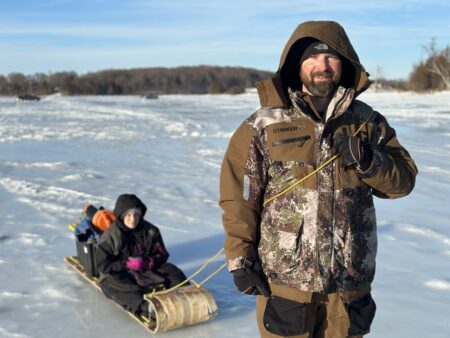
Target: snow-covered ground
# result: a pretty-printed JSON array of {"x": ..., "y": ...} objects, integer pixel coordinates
[{"x": 61, "y": 152}]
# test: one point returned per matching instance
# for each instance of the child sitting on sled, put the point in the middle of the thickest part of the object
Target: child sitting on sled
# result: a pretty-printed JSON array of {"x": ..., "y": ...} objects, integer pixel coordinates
[{"x": 131, "y": 257}]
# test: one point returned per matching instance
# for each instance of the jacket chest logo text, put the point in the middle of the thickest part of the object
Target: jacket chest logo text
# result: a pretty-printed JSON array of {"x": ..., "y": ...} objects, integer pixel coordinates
[{"x": 287, "y": 129}]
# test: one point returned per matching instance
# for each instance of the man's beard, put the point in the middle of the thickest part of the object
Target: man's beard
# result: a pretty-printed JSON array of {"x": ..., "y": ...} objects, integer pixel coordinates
[{"x": 321, "y": 89}]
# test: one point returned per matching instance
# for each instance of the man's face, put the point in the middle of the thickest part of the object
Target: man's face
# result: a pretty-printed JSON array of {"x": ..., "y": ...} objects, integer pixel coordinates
[{"x": 320, "y": 74}]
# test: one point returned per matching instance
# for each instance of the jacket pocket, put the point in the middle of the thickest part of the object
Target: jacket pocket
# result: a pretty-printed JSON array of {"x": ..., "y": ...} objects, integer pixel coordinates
[
  {"x": 280, "y": 249},
  {"x": 285, "y": 317},
  {"x": 290, "y": 141},
  {"x": 361, "y": 313},
  {"x": 298, "y": 149},
  {"x": 289, "y": 235},
  {"x": 300, "y": 140}
]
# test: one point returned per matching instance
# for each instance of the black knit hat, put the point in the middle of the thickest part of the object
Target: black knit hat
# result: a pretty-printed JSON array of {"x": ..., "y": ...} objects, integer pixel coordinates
[
  {"x": 126, "y": 202},
  {"x": 317, "y": 47}
]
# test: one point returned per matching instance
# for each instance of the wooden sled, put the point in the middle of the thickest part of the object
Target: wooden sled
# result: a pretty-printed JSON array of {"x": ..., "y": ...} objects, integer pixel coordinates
[{"x": 184, "y": 306}]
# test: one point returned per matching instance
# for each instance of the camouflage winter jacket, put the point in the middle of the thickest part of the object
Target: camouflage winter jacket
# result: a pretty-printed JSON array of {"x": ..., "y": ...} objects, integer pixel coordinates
[{"x": 320, "y": 236}]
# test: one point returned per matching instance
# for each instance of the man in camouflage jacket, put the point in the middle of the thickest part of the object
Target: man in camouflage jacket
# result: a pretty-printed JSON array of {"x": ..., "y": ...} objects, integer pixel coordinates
[{"x": 309, "y": 253}]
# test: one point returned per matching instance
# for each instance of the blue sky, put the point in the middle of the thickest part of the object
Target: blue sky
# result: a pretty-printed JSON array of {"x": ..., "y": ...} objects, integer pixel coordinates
[{"x": 82, "y": 36}]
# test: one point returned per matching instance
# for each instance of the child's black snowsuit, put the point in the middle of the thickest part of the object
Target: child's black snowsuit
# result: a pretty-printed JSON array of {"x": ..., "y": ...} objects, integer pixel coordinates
[{"x": 118, "y": 243}]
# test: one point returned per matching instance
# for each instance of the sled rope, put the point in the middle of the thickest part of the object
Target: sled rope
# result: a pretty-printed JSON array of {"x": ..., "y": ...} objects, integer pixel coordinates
[
  {"x": 197, "y": 285},
  {"x": 316, "y": 170},
  {"x": 212, "y": 274}
]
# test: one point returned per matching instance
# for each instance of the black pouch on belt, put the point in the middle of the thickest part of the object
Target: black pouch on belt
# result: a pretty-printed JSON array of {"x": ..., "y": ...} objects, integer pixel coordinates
[{"x": 284, "y": 317}]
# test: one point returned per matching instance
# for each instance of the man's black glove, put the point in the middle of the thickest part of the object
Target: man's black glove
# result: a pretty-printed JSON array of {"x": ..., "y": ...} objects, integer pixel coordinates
[
  {"x": 251, "y": 280},
  {"x": 352, "y": 150}
]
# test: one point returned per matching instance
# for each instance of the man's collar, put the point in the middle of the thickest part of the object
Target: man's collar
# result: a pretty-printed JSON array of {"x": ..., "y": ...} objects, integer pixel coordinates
[{"x": 339, "y": 103}]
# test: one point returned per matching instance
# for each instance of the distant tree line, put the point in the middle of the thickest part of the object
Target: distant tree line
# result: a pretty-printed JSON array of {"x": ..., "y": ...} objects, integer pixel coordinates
[
  {"x": 430, "y": 74},
  {"x": 179, "y": 80}
]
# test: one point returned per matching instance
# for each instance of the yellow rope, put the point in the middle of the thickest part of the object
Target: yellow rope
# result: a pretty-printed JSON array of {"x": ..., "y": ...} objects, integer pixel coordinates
[
  {"x": 210, "y": 260},
  {"x": 207, "y": 262},
  {"x": 211, "y": 275},
  {"x": 300, "y": 180},
  {"x": 316, "y": 170}
]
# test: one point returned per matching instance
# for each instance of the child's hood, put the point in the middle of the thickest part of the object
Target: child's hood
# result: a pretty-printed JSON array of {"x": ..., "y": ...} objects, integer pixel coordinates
[{"x": 126, "y": 202}]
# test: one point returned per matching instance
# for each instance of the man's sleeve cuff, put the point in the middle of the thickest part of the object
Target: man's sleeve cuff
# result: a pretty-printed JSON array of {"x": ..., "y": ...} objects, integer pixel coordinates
[{"x": 377, "y": 161}]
